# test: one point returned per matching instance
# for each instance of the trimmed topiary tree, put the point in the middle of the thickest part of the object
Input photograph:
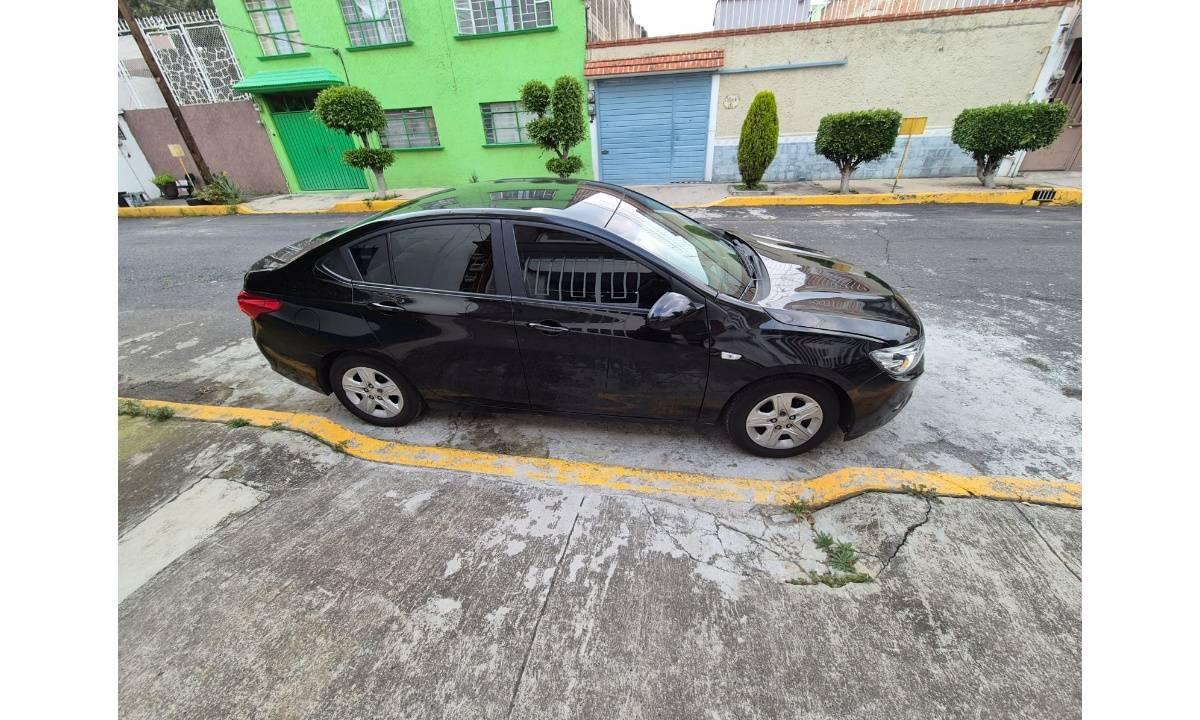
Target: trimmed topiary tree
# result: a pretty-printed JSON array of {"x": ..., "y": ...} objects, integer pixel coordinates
[
  {"x": 992, "y": 133},
  {"x": 559, "y": 125},
  {"x": 759, "y": 140},
  {"x": 357, "y": 113},
  {"x": 849, "y": 139}
]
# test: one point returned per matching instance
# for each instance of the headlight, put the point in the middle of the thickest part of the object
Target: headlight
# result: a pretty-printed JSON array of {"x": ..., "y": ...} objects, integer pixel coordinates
[{"x": 899, "y": 360}]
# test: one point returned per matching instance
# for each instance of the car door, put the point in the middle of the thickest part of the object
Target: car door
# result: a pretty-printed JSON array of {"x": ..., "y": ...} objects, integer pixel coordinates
[
  {"x": 437, "y": 307},
  {"x": 580, "y": 308}
]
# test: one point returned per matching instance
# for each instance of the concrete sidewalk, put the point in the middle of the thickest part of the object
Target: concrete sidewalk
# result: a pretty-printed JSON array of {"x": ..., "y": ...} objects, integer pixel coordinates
[
  {"x": 265, "y": 573},
  {"x": 1010, "y": 191},
  {"x": 862, "y": 192}
]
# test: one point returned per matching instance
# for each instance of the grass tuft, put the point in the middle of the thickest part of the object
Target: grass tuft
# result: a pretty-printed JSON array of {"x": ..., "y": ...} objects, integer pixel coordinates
[
  {"x": 131, "y": 408},
  {"x": 277, "y": 426},
  {"x": 237, "y": 422},
  {"x": 823, "y": 541},
  {"x": 160, "y": 413}
]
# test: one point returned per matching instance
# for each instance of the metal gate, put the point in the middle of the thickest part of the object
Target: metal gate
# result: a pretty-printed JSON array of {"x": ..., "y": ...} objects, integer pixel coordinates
[
  {"x": 1065, "y": 153},
  {"x": 653, "y": 129},
  {"x": 314, "y": 150}
]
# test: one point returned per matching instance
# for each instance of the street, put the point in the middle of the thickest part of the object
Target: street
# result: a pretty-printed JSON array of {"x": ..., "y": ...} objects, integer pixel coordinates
[
  {"x": 266, "y": 574},
  {"x": 998, "y": 289}
]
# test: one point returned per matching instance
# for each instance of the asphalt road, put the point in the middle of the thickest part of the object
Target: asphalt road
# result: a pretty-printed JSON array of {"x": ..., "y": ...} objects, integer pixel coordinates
[{"x": 999, "y": 289}]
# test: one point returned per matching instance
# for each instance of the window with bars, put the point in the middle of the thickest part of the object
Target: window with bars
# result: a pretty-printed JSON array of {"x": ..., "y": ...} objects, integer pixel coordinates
[
  {"x": 504, "y": 123},
  {"x": 478, "y": 17},
  {"x": 275, "y": 25},
  {"x": 410, "y": 128},
  {"x": 373, "y": 22}
]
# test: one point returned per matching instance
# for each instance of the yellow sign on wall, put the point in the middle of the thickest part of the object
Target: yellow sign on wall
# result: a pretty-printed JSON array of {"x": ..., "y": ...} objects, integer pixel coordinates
[
  {"x": 176, "y": 150},
  {"x": 913, "y": 125}
]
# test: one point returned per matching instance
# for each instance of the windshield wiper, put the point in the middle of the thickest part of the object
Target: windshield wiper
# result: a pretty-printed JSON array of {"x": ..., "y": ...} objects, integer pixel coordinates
[{"x": 746, "y": 254}]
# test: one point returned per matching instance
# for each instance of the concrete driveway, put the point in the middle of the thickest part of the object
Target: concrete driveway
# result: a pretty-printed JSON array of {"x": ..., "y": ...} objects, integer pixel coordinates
[{"x": 265, "y": 575}]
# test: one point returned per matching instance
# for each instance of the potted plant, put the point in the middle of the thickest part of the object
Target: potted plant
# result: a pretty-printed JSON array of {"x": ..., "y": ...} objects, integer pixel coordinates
[{"x": 165, "y": 182}]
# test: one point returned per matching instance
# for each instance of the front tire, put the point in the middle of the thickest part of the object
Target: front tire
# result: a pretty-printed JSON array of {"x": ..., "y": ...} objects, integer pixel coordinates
[
  {"x": 374, "y": 390},
  {"x": 783, "y": 417}
]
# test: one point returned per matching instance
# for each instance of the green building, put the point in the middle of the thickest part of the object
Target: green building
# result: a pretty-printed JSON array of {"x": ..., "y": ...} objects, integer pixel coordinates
[{"x": 447, "y": 73}]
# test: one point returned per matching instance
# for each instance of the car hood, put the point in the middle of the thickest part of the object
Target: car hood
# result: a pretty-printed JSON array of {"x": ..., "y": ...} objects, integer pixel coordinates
[{"x": 807, "y": 288}]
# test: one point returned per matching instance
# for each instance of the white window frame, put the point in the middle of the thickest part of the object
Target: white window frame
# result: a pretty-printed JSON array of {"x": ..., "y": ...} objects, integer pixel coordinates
[
  {"x": 487, "y": 17},
  {"x": 381, "y": 15}
]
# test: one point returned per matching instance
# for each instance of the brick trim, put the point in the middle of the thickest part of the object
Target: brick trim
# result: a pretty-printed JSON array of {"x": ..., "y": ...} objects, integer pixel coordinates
[
  {"x": 696, "y": 60},
  {"x": 1033, "y": 4}
]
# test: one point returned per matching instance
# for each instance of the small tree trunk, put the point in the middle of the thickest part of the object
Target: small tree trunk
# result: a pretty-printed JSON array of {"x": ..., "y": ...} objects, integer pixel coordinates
[
  {"x": 979, "y": 172},
  {"x": 380, "y": 184},
  {"x": 845, "y": 180},
  {"x": 989, "y": 178}
]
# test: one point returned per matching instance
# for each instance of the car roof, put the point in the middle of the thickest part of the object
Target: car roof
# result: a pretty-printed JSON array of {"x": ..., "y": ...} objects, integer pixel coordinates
[{"x": 585, "y": 201}]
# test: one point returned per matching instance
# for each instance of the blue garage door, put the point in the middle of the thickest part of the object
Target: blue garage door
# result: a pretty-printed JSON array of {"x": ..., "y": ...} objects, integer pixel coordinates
[{"x": 653, "y": 129}]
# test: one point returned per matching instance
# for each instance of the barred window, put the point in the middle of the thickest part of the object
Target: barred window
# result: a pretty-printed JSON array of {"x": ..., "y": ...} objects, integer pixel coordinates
[
  {"x": 410, "y": 128},
  {"x": 373, "y": 22},
  {"x": 276, "y": 26},
  {"x": 504, "y": 123},
  {"x": 476, "y": 17}
]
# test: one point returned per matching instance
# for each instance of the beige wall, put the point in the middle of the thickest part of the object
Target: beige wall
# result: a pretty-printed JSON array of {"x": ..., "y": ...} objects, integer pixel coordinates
[{"x": 933, "y": 67}]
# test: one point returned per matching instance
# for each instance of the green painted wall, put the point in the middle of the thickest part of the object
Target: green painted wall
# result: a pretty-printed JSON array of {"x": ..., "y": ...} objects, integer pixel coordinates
[{"x": 450, "y": 75}]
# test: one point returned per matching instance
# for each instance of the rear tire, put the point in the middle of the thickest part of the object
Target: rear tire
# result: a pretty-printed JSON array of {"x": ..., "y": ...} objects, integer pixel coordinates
[
  {"x": 782, "y": 417},
  {"x": 374, "y": 390}
]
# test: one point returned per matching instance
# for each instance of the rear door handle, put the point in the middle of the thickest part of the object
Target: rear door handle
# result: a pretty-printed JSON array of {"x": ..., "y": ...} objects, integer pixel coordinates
[
  {"x": 390, "y": 306},
  {"x": 547, "y": 329}
]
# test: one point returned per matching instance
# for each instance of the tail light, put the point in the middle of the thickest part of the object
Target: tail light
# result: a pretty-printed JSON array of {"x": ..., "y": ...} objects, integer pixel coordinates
[{"x": 255, "y": 305}]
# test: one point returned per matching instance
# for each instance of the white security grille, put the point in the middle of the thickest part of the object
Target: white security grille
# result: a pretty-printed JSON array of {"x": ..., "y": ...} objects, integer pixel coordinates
[
  {"x": 476, "y": 17},
  {"x": 194, "y": 55}
]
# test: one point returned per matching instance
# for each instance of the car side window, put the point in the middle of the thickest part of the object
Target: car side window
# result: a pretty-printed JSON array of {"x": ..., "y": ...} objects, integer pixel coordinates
[
  {"x": 370, "y": 258},
  {"x": 454, "y": 257},
  {"x": 563, "y": 266}
]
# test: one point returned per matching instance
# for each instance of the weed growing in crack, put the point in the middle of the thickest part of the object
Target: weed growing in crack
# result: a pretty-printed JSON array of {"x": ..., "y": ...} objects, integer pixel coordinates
[
  {"x": 831, "y": 580},
  {"x": 340, "y": 447},
  {"x": 823, "y": 541},
  {"x": 922, "y": 491},
  {"x": 277, "y": 426},
  {"x": 802, "y": 509},
  {"x": 842, "y": 557},
  {"x": 237, "y": 422}
]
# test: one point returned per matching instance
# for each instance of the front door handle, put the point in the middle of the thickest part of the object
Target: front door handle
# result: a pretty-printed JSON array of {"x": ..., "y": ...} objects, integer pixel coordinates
[
  {"x": 547, "y": 329},
  {"x": 389, "y": 306}
]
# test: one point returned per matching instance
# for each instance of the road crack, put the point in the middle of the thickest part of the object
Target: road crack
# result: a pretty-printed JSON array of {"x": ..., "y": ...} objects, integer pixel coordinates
[
  {"x": 907, "y": 534},
  {"x": 512, "y": 703},
  {"x": 1046, "y": 542}
]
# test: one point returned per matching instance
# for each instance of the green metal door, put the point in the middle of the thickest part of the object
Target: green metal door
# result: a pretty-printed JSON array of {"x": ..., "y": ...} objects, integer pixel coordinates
[{"x": 314, "y": 150}]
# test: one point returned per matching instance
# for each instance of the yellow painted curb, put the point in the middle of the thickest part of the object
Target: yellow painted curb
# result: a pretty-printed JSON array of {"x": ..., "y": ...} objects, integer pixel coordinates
[
  {"x": 346, "y": 206},
  {"x": 357, "y": 206},
  {"x": 819, "y": 491},
  {"x": 182, "y": 210},
  {"x": 1063, "y": 196}
]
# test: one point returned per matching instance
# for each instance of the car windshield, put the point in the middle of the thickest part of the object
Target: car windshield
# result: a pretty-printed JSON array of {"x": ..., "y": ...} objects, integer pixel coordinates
[{"x": 684, "y": 244}]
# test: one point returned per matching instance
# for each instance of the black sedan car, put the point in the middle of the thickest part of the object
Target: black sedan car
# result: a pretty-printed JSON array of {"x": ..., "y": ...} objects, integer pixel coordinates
[{"x": 583, "y": 297}]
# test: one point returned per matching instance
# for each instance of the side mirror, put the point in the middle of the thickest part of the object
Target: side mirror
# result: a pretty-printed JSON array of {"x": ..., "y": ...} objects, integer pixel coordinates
[{"x": 670, "y": 310}]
